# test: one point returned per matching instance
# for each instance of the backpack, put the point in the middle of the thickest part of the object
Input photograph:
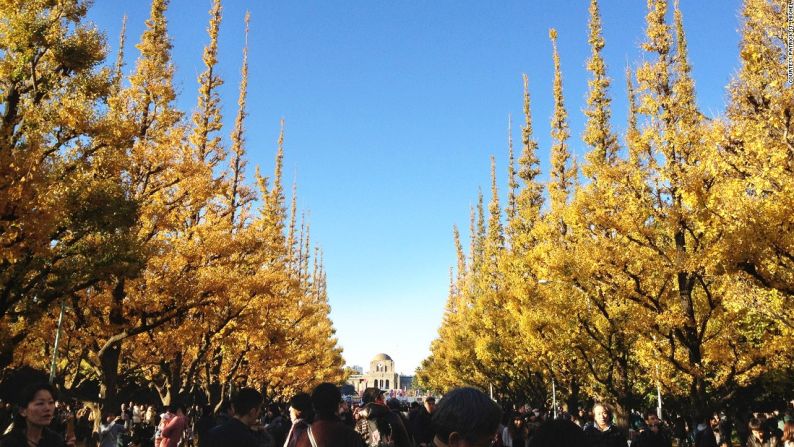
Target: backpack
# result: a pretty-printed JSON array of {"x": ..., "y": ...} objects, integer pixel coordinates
[{"x": 380, "y": 433}]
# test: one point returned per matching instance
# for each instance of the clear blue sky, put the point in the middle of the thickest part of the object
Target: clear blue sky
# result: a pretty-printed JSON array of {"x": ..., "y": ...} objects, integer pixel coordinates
[{"x": 392, "y": 111}]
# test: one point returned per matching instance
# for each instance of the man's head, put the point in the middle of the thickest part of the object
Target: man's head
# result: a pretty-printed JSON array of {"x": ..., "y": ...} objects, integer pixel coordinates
[
  {"x": 602, "y": 416},
  {"x": 430, "y": 404},
  {"x": 714, "y": 420},
  {"x": 372, "y": 395},
  {"x": 466, "y": 417},
  {"x": 325, "y": 399},
  {"x": 652, "y": 420},
  {"x": 532, "y": 417},
  {"x": 247, "y": 405},
  {"x": 273, "y": 410}
]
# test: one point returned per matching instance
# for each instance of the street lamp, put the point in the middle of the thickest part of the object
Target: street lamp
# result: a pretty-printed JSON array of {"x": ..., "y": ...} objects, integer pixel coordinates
[
  {"x": 658, "y": 388},
  {"x": 658, "y": 394},
  {"x": 57, "y": 341},
  {"x": 553, "y": 397}
]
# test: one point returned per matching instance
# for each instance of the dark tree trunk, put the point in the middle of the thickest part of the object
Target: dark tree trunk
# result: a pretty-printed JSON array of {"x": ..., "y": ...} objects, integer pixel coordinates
[
  {"x": 574, "y": 397},
  {"x": 109, "y": 385}
]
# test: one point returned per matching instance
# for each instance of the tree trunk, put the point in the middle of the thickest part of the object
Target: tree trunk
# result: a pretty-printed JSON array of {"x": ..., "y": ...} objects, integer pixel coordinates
[
  {"x": 172, "y": 389},
  {"x": 574, "y": 397},
  {"x": 109, "y": 357},
  {"x": 214, "y": 388},
  {"x": 108, "y": 387}
]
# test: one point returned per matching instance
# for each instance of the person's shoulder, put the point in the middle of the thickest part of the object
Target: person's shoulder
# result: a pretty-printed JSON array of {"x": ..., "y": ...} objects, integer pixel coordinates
[
  {"x": 13, "y": 438},
  {"x": 230, "y": 431},
  {"x": 50, "y": 438},
  {"x": 617, "y": 432},
  {"x": 226, "y": 427},
  {"x": 341, "y": 427},
  {"x": 352, "y": 437},
  {"x": 394, "y": 416}
]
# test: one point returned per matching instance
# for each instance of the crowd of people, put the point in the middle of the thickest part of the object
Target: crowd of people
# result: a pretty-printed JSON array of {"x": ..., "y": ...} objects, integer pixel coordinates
[{"x": 464, "y": 417}]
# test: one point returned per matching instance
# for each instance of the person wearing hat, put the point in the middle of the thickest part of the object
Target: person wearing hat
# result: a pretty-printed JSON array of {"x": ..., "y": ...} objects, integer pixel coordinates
[
  {"x": 377, "y": 424},
  {"x": 300, "y": 412}
]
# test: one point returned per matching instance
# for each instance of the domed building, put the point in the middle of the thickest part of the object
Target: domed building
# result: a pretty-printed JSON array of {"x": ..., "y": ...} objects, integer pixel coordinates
[{"x": 382, "y": 375}]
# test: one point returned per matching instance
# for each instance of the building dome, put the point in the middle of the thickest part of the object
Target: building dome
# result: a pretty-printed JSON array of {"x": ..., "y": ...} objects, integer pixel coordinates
[{"x": 381, "y": 356}]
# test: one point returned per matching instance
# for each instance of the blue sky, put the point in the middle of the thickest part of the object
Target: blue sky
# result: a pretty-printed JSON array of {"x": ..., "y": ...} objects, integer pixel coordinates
[{"x": 392, "y": 111}]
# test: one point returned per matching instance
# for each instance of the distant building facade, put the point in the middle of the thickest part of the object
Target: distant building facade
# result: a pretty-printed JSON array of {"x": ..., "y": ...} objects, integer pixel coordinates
[{"x": 384, "y": 376}]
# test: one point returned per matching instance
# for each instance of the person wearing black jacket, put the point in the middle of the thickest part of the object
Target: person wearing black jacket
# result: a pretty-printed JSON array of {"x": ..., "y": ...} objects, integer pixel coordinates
[
  {"x": 653, "y": 434},
  {"x": 395, "y": 406},
  {"x": 377, "y": 423},
  {"x": 421, "y": 425},
  {"x": 601, "y": 432},
  {"x": 238, "y": 432},
  {"x": 328, "y": 430},
  {"x": 205, "y": 423},
  {"x": 36, "y": 410},
  {"x": 704, "y": 435}
]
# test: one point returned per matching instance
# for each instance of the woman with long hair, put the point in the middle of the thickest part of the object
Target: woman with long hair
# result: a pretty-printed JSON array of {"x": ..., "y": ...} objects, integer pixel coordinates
[{"x": 516, "y": 434}]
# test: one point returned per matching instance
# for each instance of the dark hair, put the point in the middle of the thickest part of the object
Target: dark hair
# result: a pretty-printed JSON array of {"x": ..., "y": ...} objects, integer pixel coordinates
[
  {"x": 176, "y": 406},
  {"x": 755, "y": 424},
  {"x": 558, "y": 433},
  {"x": 467, "y": 411},
  {"x": 325, "y": 399},
  {"x": 371, "y": 395},
  {"x": 707, "y": 416},
  {"x": 303, "y": 403},
  {"x": 28, "y": 393},
  {"x": 650, "y": 412},
  {"x": 246, "y": 400},
  {"x": 414, "y": 404},
  {"x": 511, "y": 426},
  {"x": 394, "y": 403},
  {"x": 274, "y": 408},
  {"x": 430, "y": 399}
]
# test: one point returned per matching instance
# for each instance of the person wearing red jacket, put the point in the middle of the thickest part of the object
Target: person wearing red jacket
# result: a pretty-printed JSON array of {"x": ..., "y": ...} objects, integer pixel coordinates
[{"x": 175, "y": 428}]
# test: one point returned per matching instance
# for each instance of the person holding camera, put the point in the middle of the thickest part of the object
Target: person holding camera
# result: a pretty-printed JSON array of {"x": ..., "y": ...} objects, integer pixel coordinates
[{"x": 111, "y": 430}]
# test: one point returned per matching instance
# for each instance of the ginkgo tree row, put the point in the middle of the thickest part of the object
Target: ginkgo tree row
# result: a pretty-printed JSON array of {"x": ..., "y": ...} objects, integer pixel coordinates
[
  {"x": 667, "y": 261},
  {"x": 173, "y": 269}
]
